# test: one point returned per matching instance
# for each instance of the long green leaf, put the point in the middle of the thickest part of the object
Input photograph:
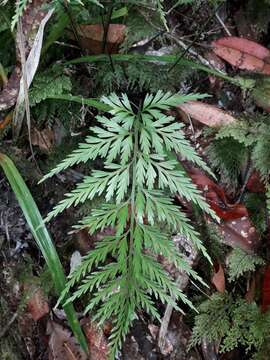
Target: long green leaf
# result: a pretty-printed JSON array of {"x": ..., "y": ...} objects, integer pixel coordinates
[
  {"x": 81, "y": 100},
  {"x": 43, "y": 239},
  {"x": 169, "y": 59}
]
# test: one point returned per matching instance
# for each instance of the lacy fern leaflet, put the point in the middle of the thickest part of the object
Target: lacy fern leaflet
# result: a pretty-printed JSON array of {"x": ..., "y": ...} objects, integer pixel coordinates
[{"x": 122, "y": 275}]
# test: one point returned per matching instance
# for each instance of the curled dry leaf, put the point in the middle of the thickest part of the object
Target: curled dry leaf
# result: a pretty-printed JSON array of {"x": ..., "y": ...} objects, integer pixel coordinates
[
  {"x": 218, "y": 279},
  {"x": 206, "y": 114},
  {"x": 63, "y": 346},
  {"x": 92, "y": 37},
  {"x": 216, "y": 197},
  {"x": 243, "y": 54},
  {"x": 28, "y": 72},
  {"x": 236, "y": 229},
  {"x": 31, "y": 19}
]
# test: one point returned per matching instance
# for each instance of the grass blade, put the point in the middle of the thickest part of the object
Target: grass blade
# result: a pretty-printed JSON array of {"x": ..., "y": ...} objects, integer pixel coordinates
[
  {"x": 81, "y": 100},
  {"x": 43, "y": 239},
  {"x": 166, "y": 59}
]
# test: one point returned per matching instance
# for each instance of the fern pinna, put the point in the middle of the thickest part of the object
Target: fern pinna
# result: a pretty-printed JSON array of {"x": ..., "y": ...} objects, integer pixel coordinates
[{"x": 138, "y": 146}]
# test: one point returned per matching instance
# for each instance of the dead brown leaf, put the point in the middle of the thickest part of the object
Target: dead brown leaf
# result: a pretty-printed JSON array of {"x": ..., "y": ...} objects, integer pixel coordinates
[
  {"x": 206, "y": 114},
  {"x": 37, "y": 305},
  {"x": 243, "y": 54},
  {"x": 44, "y": 139},
  {"x": 218, "y": 279},
  {"x": 240, "y": 233},
  {"x": 63, "y": 346},
  {"x": 92, "y": 37}
]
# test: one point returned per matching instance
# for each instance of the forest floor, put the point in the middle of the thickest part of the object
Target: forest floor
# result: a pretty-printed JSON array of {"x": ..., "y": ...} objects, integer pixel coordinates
[{"x": 30, "y": 326}]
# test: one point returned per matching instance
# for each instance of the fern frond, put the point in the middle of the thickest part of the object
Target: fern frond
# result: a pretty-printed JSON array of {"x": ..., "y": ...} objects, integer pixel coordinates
[
  {"x": 239, "y": 262},
  {"x": 232, "y": 322},
  {"x": 42, "y": 88},
  {"x": 121, "y": 275},
  {"x": 227, "y": 157}
]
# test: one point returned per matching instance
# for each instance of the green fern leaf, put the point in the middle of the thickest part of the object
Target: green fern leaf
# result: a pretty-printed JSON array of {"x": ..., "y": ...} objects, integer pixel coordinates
[{"x": 121, "y": 274}]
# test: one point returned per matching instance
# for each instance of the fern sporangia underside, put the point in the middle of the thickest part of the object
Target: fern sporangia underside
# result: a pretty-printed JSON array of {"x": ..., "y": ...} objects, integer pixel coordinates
[{"x": 137, "y": 145}]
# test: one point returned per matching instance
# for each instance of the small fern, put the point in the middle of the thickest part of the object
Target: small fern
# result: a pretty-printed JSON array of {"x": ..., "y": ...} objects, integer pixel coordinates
[
  {"x": 140, "y": 168},
  {"x": 227, "y": 156},
  {"x": 42, "y": 88},
  {"x": 239, "y": 262},
  {"x": 253, "y": 136},
  {"x": 133, "y": 77},
  {"x": 232, "y": 323}
]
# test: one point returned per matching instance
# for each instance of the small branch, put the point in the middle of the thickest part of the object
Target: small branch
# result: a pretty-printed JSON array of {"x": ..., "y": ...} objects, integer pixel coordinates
[
  {"x": 247, "y": 174},
  {"x": 167, "y": 315},
  {"x": 188, "y": 49},
  {"x": 181, "y": 282},
  {"x": 223, "y": 25}
]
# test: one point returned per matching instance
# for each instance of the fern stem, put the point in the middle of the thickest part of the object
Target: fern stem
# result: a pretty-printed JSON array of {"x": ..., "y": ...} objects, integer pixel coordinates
[{"x": 133, "y": 189}]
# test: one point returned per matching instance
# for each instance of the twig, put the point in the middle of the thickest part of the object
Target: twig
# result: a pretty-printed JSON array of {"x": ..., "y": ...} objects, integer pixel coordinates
[
  {"x": 247, "y": 174},
  {"x": 223, "y": 25},
  {"x": 67, "y": 45},
  {"x": 164, "y": 327},
  {"x": 181, "y": 282},
  {"x": 196, "y": 38},
  {"x": 188, "y": 49}
]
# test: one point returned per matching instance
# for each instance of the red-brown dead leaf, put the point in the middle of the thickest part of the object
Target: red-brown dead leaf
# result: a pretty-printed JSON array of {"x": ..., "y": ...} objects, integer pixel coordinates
[
  {"x": 240, "y": 233},
  {"x": 37, "y": 305},
  {"x": 216, "y": 197},
  {"x": 218, "y": 279},
  {"x": 206, "y": 114},
  {"x": 266, "y": 289},
  {"x": 92, "y": 37},
  {"x": 63, "y": 346},
  {"x": 236, "y": 229},
  {"x": 243, "y": 54},
  {"x": 250, "y": 294},
  {"x": 255, "y": 183},
  {"x": 44, "y": 139},
  {"x": 98, "y": 344}
]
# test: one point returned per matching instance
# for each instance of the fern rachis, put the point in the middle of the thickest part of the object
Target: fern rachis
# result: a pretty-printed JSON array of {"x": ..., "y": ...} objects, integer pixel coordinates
[{"x": 121, "y": 274}]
